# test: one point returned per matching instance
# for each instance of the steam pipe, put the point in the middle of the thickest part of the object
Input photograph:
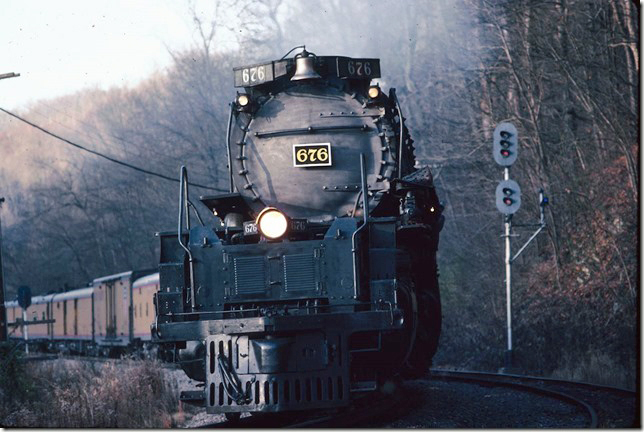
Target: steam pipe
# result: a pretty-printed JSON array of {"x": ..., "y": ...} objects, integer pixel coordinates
[
  {"x": 365, "y": 210},
  {"x": 194, "y": 209},
  {"x": 365, "y": 193},
  {"x": 402, "y": 129},
  {"x": 231, "y": 186}
]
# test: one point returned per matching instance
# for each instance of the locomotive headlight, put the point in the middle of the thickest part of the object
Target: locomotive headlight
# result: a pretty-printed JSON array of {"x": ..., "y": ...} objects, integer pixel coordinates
[
  {"x": 374, "y": 92},
  {"x": 243, "y": 100},
  {"x": 272, "y": 223}
]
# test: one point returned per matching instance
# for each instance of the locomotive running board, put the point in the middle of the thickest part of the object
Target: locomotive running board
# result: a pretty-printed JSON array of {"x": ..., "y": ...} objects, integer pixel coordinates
[{"x": 226, "y": 203}]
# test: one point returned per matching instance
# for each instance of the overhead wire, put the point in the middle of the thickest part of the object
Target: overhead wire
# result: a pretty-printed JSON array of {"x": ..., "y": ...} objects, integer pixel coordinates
[
  {"x": 99, "y": 134},
  {"x": 104, "y": 156}
]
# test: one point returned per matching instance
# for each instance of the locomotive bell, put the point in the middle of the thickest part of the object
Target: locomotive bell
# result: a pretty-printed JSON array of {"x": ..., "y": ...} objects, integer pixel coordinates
[{"x": 304, "y": 68}]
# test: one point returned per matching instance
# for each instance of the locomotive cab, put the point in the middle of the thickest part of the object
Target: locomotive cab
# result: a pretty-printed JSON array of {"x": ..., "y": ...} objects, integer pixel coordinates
[{"x": 322, "y": 282}]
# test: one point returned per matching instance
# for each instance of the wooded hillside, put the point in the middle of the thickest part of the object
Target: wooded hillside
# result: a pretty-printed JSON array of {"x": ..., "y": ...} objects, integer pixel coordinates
[{"x": 565, "y": 72}]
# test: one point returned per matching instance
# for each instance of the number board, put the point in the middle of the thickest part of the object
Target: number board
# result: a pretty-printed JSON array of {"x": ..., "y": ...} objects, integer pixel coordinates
[
  {"x": 250, "y": 228},
  {"x": 250, "y": 76},
  {"x": 358, "y": 68},
  {"x": 253, "y": 75},
  {"x": 312, "y": 155}
]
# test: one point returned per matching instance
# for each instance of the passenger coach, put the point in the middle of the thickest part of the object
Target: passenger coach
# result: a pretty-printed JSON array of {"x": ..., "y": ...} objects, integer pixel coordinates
[{"x": 111, "y": 316}]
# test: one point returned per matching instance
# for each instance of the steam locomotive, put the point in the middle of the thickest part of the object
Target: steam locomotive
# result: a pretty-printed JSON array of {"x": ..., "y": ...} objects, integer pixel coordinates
[{"x": 321, "y": 281}]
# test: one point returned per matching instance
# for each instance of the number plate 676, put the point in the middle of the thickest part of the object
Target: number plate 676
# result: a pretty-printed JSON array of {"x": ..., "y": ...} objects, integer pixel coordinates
[{"x": 311, "y": 155}]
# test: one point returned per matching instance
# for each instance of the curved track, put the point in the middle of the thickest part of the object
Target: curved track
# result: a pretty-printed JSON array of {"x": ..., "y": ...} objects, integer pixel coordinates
[
  {"x": 599, "y": 403},
  {"x": 596, "y": 406},
  {"x": 496, "y": 380}
]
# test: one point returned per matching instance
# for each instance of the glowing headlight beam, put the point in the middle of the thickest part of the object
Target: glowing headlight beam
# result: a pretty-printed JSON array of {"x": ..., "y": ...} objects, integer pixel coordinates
[{"x": 272, "y": 223}]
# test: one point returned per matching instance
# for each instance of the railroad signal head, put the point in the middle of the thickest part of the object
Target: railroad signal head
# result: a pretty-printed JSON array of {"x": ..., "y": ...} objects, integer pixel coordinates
[
  {"x": 505, "y": 145},
  {"x": 24, "y": 296},
  {"x": 508, "y": 197}
]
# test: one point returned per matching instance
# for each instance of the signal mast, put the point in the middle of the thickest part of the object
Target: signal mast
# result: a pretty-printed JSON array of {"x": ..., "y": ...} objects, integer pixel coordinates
[{"x": 508, "y": 200}]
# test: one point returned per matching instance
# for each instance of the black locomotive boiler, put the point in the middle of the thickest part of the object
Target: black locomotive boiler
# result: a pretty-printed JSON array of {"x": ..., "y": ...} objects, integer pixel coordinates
[{"x": 321, "y": 282}]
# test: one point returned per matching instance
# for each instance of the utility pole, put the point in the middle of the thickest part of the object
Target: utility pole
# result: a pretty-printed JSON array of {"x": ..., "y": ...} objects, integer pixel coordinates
[{"x": 3, "y": 310}]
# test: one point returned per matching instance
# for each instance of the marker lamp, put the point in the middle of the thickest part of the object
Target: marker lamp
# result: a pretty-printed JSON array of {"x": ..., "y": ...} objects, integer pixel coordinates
[
  {"x": 272, "y": 223},
  {"x": 374, "y": 92},
  {"x": 243, "y": 100}
]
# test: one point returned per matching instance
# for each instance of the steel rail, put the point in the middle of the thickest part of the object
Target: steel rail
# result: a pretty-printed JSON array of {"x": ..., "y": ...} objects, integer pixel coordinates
[
  {"x": 490, "y": 379},
  {"x": 362, "y": 412},
  {"x": 582, "y": 384}
]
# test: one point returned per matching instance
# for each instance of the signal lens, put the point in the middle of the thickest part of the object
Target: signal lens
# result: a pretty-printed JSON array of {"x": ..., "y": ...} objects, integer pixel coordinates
[
  {"x": 505, "y": 153},
  {"x": 508, "y": 201},
  {"x": 272, "y": 223},
  {"x": 374, "y": 92}
]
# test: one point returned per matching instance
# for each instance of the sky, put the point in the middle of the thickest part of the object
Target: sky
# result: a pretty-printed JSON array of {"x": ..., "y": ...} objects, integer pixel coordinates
[{"x": 60, "y": 47}]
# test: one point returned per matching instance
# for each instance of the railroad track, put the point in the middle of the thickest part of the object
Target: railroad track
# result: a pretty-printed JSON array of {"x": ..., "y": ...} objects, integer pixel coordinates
[
  {"x": 90, "y": 359},
  {"x": 600, "y": 404},
  {"x": 366, "y": 411},
  {"x": 584, "y": 405}
]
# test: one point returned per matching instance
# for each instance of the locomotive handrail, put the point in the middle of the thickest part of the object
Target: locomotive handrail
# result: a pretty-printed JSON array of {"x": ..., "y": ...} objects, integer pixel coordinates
[
  {"x": 184, "y": 207},
  {"x": 311, "y": 129}
]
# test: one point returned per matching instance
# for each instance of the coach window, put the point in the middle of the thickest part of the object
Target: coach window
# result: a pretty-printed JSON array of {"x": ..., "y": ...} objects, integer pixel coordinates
[
  {"x": 146, "y": 309},
  {"x": 134, "y": 311}
]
